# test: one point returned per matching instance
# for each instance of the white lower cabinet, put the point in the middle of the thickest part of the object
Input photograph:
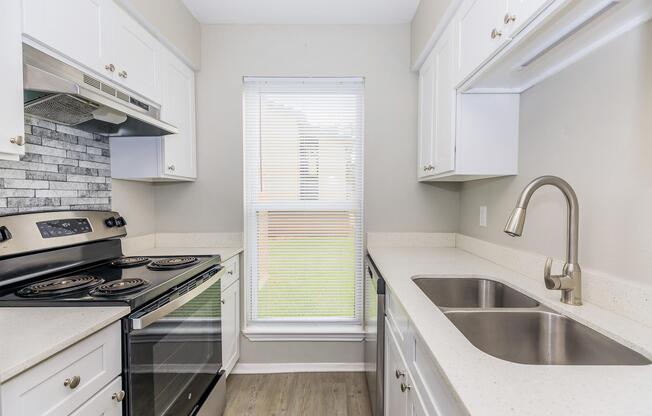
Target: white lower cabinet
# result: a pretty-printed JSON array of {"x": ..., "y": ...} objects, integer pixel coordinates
[
  {"x": 402, "y": 393},
  {"x": 231, "y": 314},
  {"x": 108, "y": 402},
  {"x": 64, "y": 382},
  {"x": 414, "y": 385}
]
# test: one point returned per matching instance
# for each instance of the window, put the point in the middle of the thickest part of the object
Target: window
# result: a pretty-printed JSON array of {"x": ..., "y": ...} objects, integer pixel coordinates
[{"x": 303, "y": 197}]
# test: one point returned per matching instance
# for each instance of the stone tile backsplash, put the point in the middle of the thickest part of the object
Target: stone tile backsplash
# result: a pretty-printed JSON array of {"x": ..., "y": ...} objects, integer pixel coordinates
[{"x": 63, "y": 168}]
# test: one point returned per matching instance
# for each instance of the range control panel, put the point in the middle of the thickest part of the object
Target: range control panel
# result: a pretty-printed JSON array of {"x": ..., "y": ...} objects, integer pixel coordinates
[{"x": 61, "y": 228}]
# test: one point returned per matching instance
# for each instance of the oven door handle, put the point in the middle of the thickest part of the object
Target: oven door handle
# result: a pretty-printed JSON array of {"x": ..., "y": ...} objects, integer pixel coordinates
[{"x": 153, "y": 316}]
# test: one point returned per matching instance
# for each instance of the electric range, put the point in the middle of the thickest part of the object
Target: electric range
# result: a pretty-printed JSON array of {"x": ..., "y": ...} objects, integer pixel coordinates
[{"x": 172, "y": 356}]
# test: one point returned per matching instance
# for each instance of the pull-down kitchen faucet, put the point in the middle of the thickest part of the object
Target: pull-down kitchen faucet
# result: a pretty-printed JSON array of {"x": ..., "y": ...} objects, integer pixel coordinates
[{"x": 570, "y": 282}]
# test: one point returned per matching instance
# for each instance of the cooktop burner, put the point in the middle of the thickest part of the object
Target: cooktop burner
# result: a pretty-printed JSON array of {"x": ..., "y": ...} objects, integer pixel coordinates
[
  {"x": 172, "y": 263},
  {"x": 130, "y": 261},
  {"x": 59, "y": 286},
  {"x": 119, "y": 287}
]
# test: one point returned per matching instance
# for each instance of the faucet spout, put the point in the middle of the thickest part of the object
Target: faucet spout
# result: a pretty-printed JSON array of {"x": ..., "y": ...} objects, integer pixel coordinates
[{"x": 570, "y": 282}]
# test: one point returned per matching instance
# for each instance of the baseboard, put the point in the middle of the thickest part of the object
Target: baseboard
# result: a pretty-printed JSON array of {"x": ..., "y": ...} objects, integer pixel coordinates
[{"x": 274, "y": 368}]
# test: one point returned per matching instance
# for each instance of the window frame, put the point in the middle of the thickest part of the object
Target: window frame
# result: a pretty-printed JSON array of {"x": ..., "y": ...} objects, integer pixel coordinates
[{"x": 327, "y": 329}]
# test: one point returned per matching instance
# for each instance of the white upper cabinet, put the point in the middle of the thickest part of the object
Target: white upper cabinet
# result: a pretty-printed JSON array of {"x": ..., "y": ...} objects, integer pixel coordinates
[
  {"x": 521, "y": 12},
  {"x": 426, "y": 117},
  {"x": 480, "y": 32},
  {"x": 445, "y": 95},
  {"x": 12, "y": 123},
  {"x": 135, "y": 54},
  {"x": 77, "y": 29},
  {"x": 167, "y": 158},
  {"x": 437, "y": 109},
  {"x": 100, "y": 36},
  {"x": 178, "y": 109}
]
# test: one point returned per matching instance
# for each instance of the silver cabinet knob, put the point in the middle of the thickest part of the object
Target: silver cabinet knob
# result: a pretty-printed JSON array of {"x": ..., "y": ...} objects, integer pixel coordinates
[
  {"x": 171, "y": 167},
  {"x": 18, "y": 140},
  {"x": 496, "y": 34},
  {"x": 110, "y": 67},
  {"x": 405, "y": 387},
  {"x": 399, "y": 374},
  {"x": 122, "y": 74},
  {"x": 72, "y": 382},
  {"x": 509, "y": 18},
  {"x": 222, "y": 301},
  {"x": 119, "y": 396},
  {"x": 230, "y": 272}
]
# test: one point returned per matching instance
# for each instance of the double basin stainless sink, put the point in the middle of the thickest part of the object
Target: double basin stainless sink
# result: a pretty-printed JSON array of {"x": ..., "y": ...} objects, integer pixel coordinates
[{"x": 505, "y": 323}]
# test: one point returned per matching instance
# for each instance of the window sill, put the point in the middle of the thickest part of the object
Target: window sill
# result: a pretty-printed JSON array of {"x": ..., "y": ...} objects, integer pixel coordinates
[{"x": 349, "y": 333}]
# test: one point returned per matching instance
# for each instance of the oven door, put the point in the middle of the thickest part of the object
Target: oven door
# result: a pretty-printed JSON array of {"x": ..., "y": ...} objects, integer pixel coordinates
[{"x": 174, "y": 349}]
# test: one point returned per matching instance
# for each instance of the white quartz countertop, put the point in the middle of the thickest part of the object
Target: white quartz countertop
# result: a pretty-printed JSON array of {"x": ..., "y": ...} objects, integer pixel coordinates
[
  {"x": 225, "y": 252},
  {"x": 31, "y": 335},
  {"x": 490, "y": 386}
]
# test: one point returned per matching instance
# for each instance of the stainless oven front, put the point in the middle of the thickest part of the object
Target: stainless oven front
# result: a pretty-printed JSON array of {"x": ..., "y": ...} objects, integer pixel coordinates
[{"x": 173, "y": 350}]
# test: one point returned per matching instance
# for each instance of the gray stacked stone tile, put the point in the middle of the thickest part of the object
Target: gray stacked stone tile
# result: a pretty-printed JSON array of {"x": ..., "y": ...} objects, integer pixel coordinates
[{"x": 63, "y": 168}]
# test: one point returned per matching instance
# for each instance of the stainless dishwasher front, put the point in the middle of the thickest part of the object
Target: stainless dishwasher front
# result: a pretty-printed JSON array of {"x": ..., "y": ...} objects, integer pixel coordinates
[{"x": 374, "y": 340}]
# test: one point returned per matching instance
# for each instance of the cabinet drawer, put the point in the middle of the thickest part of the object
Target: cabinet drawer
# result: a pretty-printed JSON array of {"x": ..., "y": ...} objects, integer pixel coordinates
[
  {"x": 400, "y": 322},
  {"x": 40, "y": 390},
  {"x": 103, "y": 403},
  {"x": 232, "y": 274},
  {"x": 436, "y": 389}
]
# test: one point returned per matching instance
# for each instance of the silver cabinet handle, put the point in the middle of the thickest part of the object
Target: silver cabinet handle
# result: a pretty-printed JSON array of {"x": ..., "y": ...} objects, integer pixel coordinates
[
  {"x": 18, "y": 140},
  {"x": 496, "y": 34},
  {"x": 509, "y": 18},
  {"x": 119, "y": 396},
  {"x": 230, "y": 272},
  {"x": 399, "y": 374},
  {"x": 405, "y": 387},
  {"x": 110, "y": 67},
  {"x": 72, "y": 382},
  {"x": 123, "y": 74},
  {"x": 171, "y": 167},
  {"x": 222, "y": 301}
]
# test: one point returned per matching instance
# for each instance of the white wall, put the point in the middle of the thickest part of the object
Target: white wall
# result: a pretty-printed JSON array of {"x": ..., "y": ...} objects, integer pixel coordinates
[
  {"x": 394, "y": 200},
  {"x": 135, "y": 201},
  {"x": 592, "y": 125},
  {"x": 426, "y": 19}
]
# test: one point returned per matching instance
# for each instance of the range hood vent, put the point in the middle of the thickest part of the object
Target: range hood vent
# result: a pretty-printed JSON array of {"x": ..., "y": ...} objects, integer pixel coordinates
[{"x": 58, "y": 92}]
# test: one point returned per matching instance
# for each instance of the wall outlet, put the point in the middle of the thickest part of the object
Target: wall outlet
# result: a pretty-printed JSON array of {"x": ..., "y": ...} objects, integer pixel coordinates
[{"x": 483, "y": 216}]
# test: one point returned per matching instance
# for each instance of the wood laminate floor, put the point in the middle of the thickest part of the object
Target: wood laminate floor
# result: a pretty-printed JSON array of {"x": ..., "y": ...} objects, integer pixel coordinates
[{"x": 297, "y": 394}]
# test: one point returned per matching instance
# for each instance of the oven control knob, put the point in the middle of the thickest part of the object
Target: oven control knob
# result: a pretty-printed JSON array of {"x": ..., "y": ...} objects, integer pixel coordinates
[
  {"x": 110, "y": 222},
  {"x": 5, "y": 234},
  {"x": 120, "y": 222}
]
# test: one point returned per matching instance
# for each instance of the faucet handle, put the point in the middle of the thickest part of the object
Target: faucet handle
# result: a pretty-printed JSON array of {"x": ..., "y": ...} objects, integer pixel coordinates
[{"x": 552, "y": 282}]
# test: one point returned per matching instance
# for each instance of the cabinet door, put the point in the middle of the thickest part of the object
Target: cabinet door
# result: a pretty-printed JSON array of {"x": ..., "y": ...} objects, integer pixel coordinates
[
  {"x": 416, "y": 407},
  {"x": 445, "y": 94},
  {"x": 104, "y": 403},
  {"x": 74, "y": 28},
  {"x": 12, "y": 123},
  {"x": 426, "y": 117},
  {"x": 396, "y": 403},
  {"x": 178, "y": 109},
  {"x": 520, "y": 12},
  {"x": 230, "y": 326},
  {"x": 136, "y": 54},
  {"x": 477, "y": 22}
]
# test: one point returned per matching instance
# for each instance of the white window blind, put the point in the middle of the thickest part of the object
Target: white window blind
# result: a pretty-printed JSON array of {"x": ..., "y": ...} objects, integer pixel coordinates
[{"x": 303, "y": 197}]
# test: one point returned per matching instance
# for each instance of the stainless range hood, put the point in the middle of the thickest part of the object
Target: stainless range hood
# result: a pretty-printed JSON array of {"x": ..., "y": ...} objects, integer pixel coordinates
[{"x": 58, "y": 92}]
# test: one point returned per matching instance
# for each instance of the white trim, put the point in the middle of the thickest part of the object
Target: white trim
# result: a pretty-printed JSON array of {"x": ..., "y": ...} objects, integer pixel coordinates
[
  {"x": 276, "y": 368},
  {"x": 301, "y": 332}
]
